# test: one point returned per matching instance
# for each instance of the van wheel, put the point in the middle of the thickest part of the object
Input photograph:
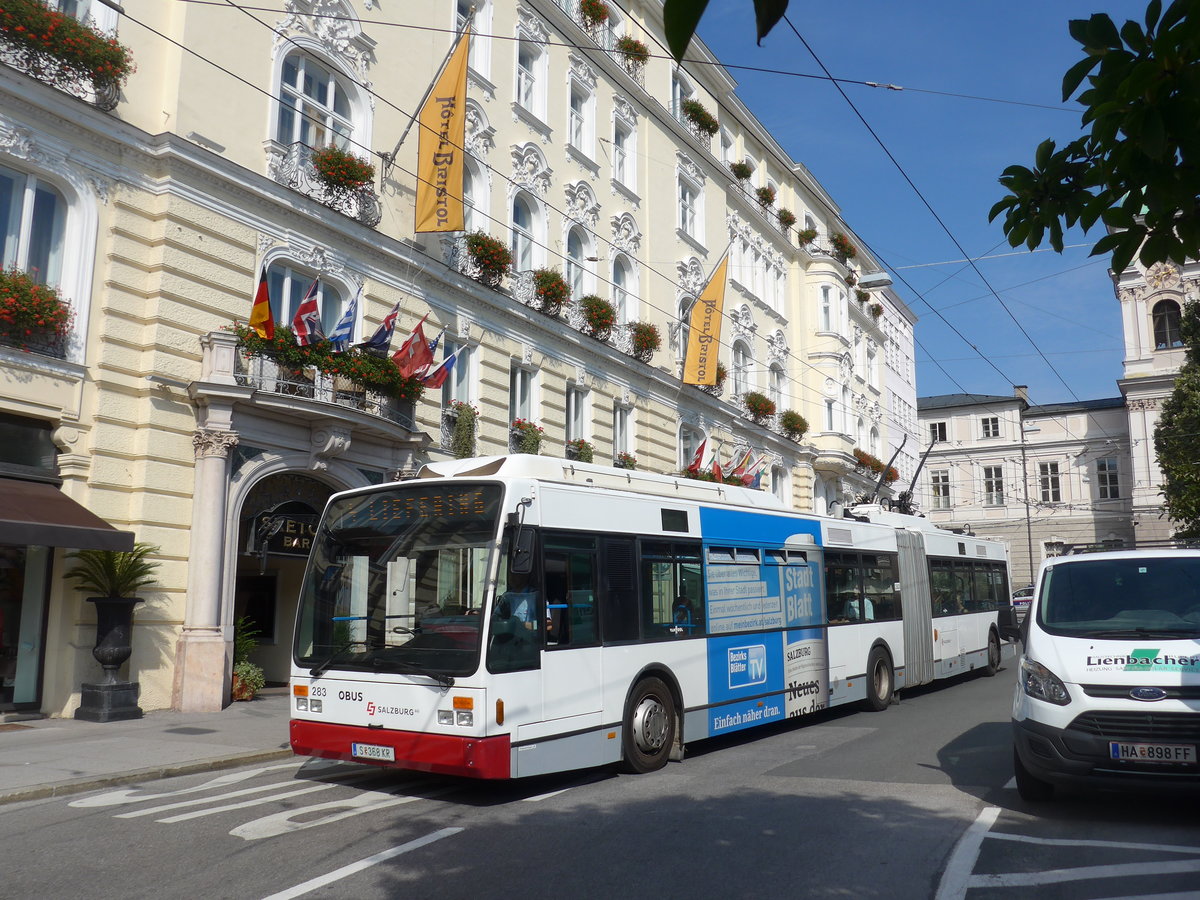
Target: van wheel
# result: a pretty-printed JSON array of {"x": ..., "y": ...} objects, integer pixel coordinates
[
  {"x": 879, "y": 680},
  {"x": 649, "y": 727},
  {"x": 993, "y": 655},
  {"x": 1031, "y": 788}
]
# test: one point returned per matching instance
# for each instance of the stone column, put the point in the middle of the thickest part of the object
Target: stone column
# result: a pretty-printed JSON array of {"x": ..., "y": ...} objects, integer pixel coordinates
[{"x": 201, "y": 676}]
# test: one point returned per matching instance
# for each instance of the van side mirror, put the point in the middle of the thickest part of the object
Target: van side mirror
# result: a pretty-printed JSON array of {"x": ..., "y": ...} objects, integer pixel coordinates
[{"x": 522, "y": 552}]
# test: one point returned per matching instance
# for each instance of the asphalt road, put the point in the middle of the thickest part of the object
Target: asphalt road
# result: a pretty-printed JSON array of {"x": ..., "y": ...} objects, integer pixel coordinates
[{"x": 913, "y": 802}]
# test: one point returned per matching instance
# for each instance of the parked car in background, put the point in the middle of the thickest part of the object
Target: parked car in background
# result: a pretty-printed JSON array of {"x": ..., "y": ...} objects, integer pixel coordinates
[
  {"x": 1020, "y": 601},
  {"x": 1108, "y": 690}
]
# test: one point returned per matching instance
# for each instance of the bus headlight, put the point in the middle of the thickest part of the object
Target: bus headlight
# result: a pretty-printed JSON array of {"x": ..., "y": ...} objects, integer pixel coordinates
[
  {"x": 445, "y": 717},
  {"x": 465, "y": 717},
  {"x": 1042, "y": 684},
  {"x": 315, "y": 705},
  {"x": 302, "y": 704}
]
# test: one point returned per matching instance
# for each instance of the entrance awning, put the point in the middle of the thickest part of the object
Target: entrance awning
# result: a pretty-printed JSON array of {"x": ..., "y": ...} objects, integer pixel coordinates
[{"x": 32, "y": 512}]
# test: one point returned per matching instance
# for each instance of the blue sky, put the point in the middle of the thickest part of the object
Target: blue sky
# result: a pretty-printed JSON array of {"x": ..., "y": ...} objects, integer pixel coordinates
[{"x": 953, "y": 149}]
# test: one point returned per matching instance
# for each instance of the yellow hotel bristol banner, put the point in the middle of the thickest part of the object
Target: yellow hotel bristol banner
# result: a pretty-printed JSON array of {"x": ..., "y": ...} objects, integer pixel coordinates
[
  {"x": 704, "y": 333},
  {"x": 440, "y": 147}
]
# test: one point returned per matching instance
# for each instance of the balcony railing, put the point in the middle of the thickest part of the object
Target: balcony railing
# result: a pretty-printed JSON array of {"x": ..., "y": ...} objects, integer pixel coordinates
[
  {"x": 44, "y": 345},
  {"x": 264, "y": 374},
  {"x": 103, "y": 93},
  {"x": 293, "y": 167}
]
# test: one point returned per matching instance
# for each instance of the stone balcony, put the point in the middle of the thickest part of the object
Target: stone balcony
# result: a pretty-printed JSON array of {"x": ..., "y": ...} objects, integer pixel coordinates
[{"x": 291, "y": 165}]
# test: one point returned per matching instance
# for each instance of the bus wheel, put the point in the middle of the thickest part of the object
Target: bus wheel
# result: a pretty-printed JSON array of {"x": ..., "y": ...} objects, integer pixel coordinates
[
  {"x": 649, "y": 727},
  {"x": 879, "y": 680},
  {"x": 993, "y": 654}
]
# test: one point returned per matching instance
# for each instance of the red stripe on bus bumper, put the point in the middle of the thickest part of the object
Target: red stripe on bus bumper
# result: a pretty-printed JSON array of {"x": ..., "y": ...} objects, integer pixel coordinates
[{"x": 441, "y": 753}]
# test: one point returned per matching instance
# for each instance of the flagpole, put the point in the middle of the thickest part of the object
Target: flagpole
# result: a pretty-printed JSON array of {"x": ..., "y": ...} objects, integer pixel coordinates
[{"x": 389, "y": 159}]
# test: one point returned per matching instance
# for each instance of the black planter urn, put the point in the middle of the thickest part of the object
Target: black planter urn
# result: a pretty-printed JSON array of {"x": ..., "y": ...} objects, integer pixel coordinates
[{"x": 111, "y": 700}]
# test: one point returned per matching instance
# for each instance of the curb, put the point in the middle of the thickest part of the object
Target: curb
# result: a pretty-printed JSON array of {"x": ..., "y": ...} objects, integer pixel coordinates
[{"x": 153, "y": 773}]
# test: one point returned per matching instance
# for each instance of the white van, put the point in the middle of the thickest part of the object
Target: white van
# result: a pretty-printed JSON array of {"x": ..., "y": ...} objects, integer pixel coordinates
[{"x": 1108, "y": 691}]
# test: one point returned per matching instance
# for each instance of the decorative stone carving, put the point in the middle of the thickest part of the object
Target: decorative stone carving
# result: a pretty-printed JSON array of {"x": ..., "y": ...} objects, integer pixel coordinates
[
  {"x": 328, "y": 442},
  {"x": 334, "y": 25},
  {"x": 1148, "y": 403},
  {"x": 581, "y": 71},
  {"x": 625, "y": 234},
  {"x": 687, "y": 166},
  {"x": 480, "y": 135},
  {"x": 582, "y": 206},
  {"x": 690, "y": 277},
  {"x": 530, "y": 170},
  {"x": 531, "y": 26},
  {"x": 777, "y": 347},
  {"x": 743, "y": 323},
  {"x": 623, "y": 111},
  {"x": 209, "y": 443}
]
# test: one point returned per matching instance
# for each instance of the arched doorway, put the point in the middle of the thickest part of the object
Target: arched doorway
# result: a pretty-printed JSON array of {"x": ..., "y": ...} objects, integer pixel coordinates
[{"x": 275, "y": 529}]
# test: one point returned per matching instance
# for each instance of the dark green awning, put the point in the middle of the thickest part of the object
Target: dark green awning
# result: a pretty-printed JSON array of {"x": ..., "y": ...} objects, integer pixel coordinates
[{"x": 33, "y": 512}]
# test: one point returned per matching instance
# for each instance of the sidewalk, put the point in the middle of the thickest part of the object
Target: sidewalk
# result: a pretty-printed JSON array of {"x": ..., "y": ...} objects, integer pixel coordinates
[{"x": 53, "y": 757}]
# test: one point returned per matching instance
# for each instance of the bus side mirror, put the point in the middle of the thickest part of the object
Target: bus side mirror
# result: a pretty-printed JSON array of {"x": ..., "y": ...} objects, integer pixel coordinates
[{"x": 522, "y": 553}]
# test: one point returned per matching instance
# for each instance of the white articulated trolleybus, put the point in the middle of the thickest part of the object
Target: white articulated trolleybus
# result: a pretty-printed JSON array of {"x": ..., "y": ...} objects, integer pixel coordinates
[{"x": 513, "y": 616}]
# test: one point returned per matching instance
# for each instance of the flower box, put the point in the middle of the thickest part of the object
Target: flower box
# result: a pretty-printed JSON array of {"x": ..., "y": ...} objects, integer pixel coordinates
[
  {"x": 599, "y": 317},
  {"x": 32, "y": 315},
  {"x": 792, "y": 424},
  {"x": 340, "y": 170},
  {"x": 759, "y": 406},
  {"x": 765, "y": 195},
  {"x": 593, "y": 12},
  {"x": 524, "y": 436},
  {"x": 645, "y": 340},
  {"x": 842, "y": 248},
  {"x": 551, "y": 290},
  {"x": 876, "y": 310},
  {"x": 787, "y": 218},
  {"x": 580, "y": 450},
  {"x": 625, "y": 461},
  {"x": 490, "y": 256},
  {"x": 635, "y": 52},
  {"x": 693, "y": 110},
  {"x": 806, "y": 236},
  {"x": 741, "y": 169}
]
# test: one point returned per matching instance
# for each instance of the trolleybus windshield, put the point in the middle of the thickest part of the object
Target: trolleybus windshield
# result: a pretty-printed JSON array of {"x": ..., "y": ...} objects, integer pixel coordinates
[{"x": 396, "y": 580}]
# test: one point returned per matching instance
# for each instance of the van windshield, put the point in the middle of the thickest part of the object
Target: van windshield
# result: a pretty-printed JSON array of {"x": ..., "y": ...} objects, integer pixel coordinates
[{"x": 1129, "y": 598}]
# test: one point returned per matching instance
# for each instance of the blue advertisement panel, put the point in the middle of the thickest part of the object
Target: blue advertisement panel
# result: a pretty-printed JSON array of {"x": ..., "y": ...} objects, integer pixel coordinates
[
  {"x": 746, "y": 714},
  {"x": 745, "y": 665},
  {"x": 753, "y": 527}
]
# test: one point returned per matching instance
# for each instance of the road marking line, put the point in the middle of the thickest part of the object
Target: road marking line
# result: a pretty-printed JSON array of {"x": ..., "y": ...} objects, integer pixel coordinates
[
  {"x": 1067, "y": 842},
  {"x": 957, "y": 877},
  {"x": 1010, "y": 785},
  {"x": 284, "y": 822},
  {"x": 343, "y": 778},
  {"x": 245, "y": 804},
  {"x": 345, "y": 871},
  {"x": 1082, "y": 873},
  {"x": 541, "y": 797},
  {"x": 135, "y": 795}
]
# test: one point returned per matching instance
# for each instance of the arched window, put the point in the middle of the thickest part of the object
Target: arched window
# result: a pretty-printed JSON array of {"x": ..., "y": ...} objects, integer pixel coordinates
[
  {"x": 685, "y": 322},
  {"x": 689, "y": 442},
  {"x": 289, "y": 286},
  {"x": 778, "y": 386},
  {"x": 575, "y": 267},
  {"x": 474, "y": 197},
  {"x": 622, "y": 301},
  {"x": 522, "y": 234},
  {"x": 32, "y": 219},
  {"x": 741, "y": 368},
  {"x": 874, "y": 441},
  {"x": 314, "y": 107},
  {"x": 1166, "y": 325}
]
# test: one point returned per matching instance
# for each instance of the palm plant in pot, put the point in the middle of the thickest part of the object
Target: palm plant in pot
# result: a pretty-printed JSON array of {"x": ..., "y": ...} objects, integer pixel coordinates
[{"x": 114, "y": 577}]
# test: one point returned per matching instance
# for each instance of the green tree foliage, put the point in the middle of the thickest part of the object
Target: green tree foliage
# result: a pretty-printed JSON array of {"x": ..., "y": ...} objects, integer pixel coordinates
[
  {"x": 680, "y": 18},
  {"x": 1136, "y": 169},
  {"x": 1175, "y": 436}
]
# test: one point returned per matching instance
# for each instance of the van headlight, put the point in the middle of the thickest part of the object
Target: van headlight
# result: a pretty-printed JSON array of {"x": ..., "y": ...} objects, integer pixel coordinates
[{"x": 1041, "y": 683}]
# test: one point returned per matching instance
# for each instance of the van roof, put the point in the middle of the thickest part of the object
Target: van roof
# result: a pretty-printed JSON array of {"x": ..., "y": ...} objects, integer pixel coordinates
[{"x": 1160, "y": 553}]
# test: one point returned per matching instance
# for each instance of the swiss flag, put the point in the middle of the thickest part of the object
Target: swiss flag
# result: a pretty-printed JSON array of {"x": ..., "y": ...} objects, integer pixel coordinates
[{"x": 414, "y": 355}]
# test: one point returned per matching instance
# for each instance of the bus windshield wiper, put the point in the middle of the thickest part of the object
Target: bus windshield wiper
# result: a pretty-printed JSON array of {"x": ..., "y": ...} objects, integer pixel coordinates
[
  {"x": 319, "y": 669},
  {"x": 446, "y": 681}
]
